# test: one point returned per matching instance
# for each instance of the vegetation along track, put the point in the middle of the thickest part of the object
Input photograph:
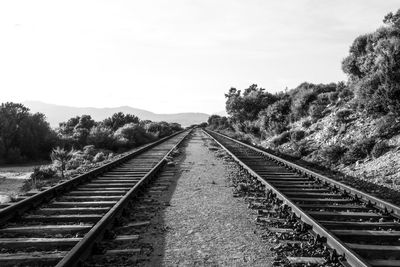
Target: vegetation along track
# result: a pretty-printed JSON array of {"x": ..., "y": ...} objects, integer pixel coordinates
[
  {"x": 64, "y": 224},
  {"x": 360, "y": 227}
]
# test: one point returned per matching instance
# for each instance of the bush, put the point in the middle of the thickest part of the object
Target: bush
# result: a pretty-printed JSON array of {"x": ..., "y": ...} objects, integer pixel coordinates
[
  {"x": 343, "y": 114},
  {"x": 380, "y": 149},
  {"x": 387, "y": 127},
  {"x": 304, "y": 148},
  {"x": 281, "y": 139},
  {"x": 358, "y": 151},
  {"x": 301, "y": 102},
  {"x": 242, "y": 137},
  {"x": 43, "y": 173},
  {"x": 131, "y": 135},
  {"x": 317, "y": 111},
  {"x": 274, "y": 119},
  {"x": 297, "y": 135},
  {"x": 333, "y": 153},
  {"x": 306, "y": 124},
  {"x": 101, "y": 137},
  {"x": 78, "y": 159},
  {"x": 346, "y": 94},
  {"x": 99, "y": 157},
  {"x": 333, "y": 96}
]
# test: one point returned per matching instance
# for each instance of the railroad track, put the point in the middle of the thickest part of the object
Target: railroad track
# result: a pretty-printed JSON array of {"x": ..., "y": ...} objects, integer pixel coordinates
[
  {"x": 361, "y": 227},
  {"x": 62, "y": 225}
]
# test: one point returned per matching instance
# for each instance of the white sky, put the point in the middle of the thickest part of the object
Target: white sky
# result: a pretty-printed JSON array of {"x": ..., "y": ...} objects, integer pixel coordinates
[{"x": 171, "y": 56}]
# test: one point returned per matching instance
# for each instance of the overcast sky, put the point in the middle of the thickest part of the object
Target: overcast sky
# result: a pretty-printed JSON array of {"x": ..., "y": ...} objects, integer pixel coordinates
[{"x": 171, "y": 56}]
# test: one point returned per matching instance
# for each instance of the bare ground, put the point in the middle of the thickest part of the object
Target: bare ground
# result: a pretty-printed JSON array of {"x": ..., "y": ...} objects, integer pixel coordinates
[
  {"x": 12, "y": 178},
  {"x": 204, "y": 224}
]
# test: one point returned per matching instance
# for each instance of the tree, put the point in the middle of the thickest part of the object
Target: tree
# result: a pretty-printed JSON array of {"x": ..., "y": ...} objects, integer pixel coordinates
[
  {"x": 61, "y": 157},
  {"x": 373, "y": 67},
  {"x": 66, "y": 128},
  {"x": 23, "y": 135},
  {"x": 85, "y": 122},
  {"x": 101, "y": 137},
  {"x": 11, "y": 117},
  {"x": 246, "y": 106},
  {"x": 131, "y": 135},
  {"x": 119, "y": 119},
  {"x": 275, "y": 118}
]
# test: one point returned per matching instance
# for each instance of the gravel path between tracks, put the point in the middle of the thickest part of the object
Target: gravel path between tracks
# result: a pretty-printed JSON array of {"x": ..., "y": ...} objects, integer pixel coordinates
[{"x": 204, "y": 224}]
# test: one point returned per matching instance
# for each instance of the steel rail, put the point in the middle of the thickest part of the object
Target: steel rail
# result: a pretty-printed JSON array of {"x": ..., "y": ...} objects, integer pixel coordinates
[
  {"x": 35, "y": 200},
  {"x": 351, "y": 257},
  {"x": 379, "y": 203},
  {"x": 84, "y": 247}
]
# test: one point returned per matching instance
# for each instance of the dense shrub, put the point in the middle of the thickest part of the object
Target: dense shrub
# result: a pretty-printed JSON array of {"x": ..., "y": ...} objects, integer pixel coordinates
[
  {"x": 275, "y": 118},
  {"x": 333, "y": 96},
  {"x": 99, "y": 157},
  {"x": 301, "y": 102},
  {"x": 343, "y": 114},
  {"x": 297, "y": 135},
  {"x": 373, "y": 66},
  {"x": 24, "y": 136},
  {"x": 358, "y": 151},
  {"x": 89, "y": 152},
  {"x": 388, "y": 126},
  {"x": 332, "y": 154},
  {"x": 242, "y": 137},
  {"x": 119, "y": 119},
  {"x": 131, "y": 135},
  {"x": 101, "y": 137},
  {"x": 281, "y": 139},
  {"x": 345, "y": 94},
  {"x": 304, "y": 149},
  {"x": 380, "y": 149},
  {"x": 306, "y": 124},
  {"x": 43, "y": 173},
  {"x": 251, "y": 127},
  {"x": 317, "y": 111},
  {"x": 246, "y": 106},
  {"x": 41, "y": 176}
]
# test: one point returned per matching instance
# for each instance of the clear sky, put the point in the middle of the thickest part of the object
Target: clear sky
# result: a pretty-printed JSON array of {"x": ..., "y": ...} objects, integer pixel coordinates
[{"x": 171, "y": 56}]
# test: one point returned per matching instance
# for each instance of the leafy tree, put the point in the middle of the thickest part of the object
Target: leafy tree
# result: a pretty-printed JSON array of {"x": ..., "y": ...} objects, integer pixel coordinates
[
  {"x": 275, "y": 118},
  {"x": 101, "y": 137},
  {"x": 67, "y": 128},
  {"x": 23, "y": 135},
  {"x": 131, "y": 135},
  {"x": 216, "y": 121},
  {"x": 373, "y": 66},
  {"x": 11, "y": 117},
  {"x": 85, "y": 122},
  {"x": 246, "y": 106},
  {"x": 119, "y": 119}
]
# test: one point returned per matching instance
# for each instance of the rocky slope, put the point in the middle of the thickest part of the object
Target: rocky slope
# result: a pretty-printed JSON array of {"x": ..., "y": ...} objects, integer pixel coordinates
[{"x": 358, "y": 145}]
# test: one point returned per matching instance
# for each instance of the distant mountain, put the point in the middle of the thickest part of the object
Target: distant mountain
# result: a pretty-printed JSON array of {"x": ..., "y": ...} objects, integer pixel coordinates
[{"x": 56, "y": 113}]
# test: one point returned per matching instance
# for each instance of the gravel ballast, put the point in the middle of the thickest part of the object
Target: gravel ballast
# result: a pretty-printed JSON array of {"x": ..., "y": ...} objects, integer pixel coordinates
[{"x": 205, "y": 224}]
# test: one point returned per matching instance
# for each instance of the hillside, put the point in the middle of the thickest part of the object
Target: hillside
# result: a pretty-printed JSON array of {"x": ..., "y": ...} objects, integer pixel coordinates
[
  {"x": 57, "y": 113},
  {"x": 352, "y": 126}
]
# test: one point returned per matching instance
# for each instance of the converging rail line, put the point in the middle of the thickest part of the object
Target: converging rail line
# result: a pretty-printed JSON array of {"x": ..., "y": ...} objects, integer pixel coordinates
[
  {"x": 63, "y": 224},
  {"x": 363, "y": 228}
]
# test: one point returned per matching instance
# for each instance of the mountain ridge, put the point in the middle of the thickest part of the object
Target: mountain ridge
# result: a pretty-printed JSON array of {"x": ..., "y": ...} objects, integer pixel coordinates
[{"x": 60, "y": 113}]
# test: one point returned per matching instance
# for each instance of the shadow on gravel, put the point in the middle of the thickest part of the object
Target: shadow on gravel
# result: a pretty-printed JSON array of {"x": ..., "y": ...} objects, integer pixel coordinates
[{"x": 153, "y": 239}]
